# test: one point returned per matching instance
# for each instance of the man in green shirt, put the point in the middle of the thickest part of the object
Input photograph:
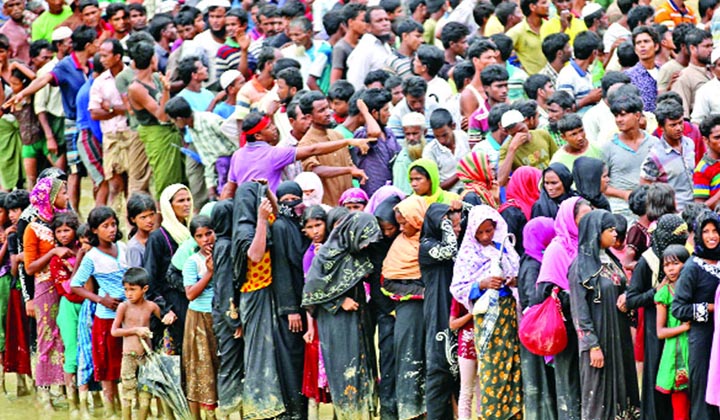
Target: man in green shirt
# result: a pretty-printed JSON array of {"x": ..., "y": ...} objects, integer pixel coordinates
[
  {"x": 44, "y": 25},
  {"x": 571, "y": 129}
]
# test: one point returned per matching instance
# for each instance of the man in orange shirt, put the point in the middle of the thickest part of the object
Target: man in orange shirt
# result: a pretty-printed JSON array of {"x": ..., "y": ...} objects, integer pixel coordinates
[{"x": 676, "y": 11}]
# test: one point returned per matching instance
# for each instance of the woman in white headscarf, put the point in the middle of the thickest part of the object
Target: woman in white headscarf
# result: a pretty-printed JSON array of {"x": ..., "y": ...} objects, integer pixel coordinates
[
  {"x": 312, "y": 189},
  {"x": 176, "y": 207}
]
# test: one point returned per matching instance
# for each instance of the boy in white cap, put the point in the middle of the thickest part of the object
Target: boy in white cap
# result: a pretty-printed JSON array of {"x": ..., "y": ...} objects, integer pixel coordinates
[
  {"x": 526, "y": 148},
  {"x": 230, "y": 82}
]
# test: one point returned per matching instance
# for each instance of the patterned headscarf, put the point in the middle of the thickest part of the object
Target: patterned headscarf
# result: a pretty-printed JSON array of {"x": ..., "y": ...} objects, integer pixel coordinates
[
  {"x": 473, "y": 260},
  {"x": 43, "y": 195},
  {"x": 475, "y": 171},
  {"x": 670, "y": 229}
]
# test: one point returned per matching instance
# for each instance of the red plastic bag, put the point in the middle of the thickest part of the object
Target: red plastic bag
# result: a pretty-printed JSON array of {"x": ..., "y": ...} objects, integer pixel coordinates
[{"x": 542, "y": 328}]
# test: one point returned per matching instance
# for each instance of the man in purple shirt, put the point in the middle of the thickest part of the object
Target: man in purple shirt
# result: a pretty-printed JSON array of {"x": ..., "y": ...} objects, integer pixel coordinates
[
  {"x": 379, "y": 159},
  {"x": 261, "y": 158},
  {"x": 644, "y": 74}
]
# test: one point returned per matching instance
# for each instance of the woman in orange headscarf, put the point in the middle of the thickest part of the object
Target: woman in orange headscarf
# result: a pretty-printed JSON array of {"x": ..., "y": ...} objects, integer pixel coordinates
[{"x": 402, "y": 282}]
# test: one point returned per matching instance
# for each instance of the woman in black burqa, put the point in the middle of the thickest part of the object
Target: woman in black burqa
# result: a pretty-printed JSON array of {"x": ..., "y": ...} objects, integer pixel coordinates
[
  {"x": 226, "y": 319},
  {"x": 608, "y": 379},
  {"x": 694, "y": 292},
  {"x": 253, "y": 213},
  {"x": 438, "y": 249},
  {"x": 286, "y": 253},
  {"x": 335, "y": 292}
]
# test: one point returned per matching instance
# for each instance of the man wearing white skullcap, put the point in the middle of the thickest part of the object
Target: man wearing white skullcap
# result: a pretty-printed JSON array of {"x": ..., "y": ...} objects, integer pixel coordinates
[{"x": 414, "y": 126}]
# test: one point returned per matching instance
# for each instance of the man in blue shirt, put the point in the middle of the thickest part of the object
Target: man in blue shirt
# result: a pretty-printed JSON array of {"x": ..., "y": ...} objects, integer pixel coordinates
[
  {"x": 69, "y": 75},
  {"x": 89, "y": 142}
]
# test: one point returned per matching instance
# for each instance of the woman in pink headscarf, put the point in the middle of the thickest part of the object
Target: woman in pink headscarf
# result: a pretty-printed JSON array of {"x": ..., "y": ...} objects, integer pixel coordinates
[{"x": 522, "y": 192}]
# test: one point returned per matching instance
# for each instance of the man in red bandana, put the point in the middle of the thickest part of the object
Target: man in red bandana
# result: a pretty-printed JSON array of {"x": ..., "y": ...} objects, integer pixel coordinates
[{"x": 260, "y": 158}]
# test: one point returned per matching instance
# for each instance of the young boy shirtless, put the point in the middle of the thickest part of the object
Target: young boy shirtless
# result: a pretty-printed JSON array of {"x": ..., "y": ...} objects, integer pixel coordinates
[{"x": 132, "y": 323}]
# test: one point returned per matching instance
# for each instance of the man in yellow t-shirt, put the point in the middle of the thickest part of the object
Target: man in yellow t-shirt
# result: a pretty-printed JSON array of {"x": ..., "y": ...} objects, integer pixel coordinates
[
  {"x": 563, "y": 22},
  {"x": 526, "y": 35}
]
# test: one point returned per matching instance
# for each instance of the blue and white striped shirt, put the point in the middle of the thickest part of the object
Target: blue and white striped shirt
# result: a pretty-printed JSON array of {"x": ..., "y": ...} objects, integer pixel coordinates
[{"x": 108, "y": 272}]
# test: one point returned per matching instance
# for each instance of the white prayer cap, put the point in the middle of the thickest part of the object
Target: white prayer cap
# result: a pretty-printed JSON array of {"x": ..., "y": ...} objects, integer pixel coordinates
[
  {"x": 511, "y": 118},
  {"x": 589, "y": 9},
  {"x": 206, "y": 4},
  {"x": 62, "y": 32},
  {"x": 715, "y": 55},
  {"x": 413, "y": 119},
  {"x": 228, "y": 77}
]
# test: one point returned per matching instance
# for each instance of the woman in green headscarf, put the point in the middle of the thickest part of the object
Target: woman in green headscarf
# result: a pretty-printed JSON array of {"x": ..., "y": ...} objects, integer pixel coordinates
[{"x": 425, "y": 182}]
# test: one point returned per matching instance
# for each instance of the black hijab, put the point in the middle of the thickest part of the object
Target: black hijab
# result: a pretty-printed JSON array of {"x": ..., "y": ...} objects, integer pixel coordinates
[
  {"x": 587, "y": 173},
  {"x": 342, "y": 261},
  {"x": 588, "y": 262},
  {"x": 221, "y": 219},
  {"x": 335, "y": 215},
  {"x": 226, "y": 286},
  {"x": 704, "y": 218},
  {"x": 245, "y": 209},
  {"x": 385, "y": 211},
  {"x": 547, "y": 206},
  {"x": 287, "y": 208},
  {"x": 287, "y": 229}
]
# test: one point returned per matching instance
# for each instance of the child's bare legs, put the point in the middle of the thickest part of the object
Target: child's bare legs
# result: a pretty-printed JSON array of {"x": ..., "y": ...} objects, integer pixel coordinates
[
  {"x": 468, "y": 378},
  {"x": 313, "y": 409},
  {"x": 83, "y": 395},
  {"x": 144, "y": 399},
  {"x": 71, "y": 392},
  {"x": 22, "y": 389},
  {"x": 195, "y": 409},
  {"x": 109, "y": 392},
  {"x": 30, "y": 165}
]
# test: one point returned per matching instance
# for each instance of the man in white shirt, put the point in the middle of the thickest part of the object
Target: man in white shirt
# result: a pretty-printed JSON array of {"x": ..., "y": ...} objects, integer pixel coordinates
[
  {"x": 373, "y": 50},
  {"x": 427, "y": 64},
  {"x": 707, "y": 100},
  {"x": 449, "y": 147},
  {"x": 214, "y": 37},
  {"x": 313, "y": 55}
]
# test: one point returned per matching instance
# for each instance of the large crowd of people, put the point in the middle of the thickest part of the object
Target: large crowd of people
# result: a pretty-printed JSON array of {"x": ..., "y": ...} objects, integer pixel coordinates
[{"x": 433, "y": 209}]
